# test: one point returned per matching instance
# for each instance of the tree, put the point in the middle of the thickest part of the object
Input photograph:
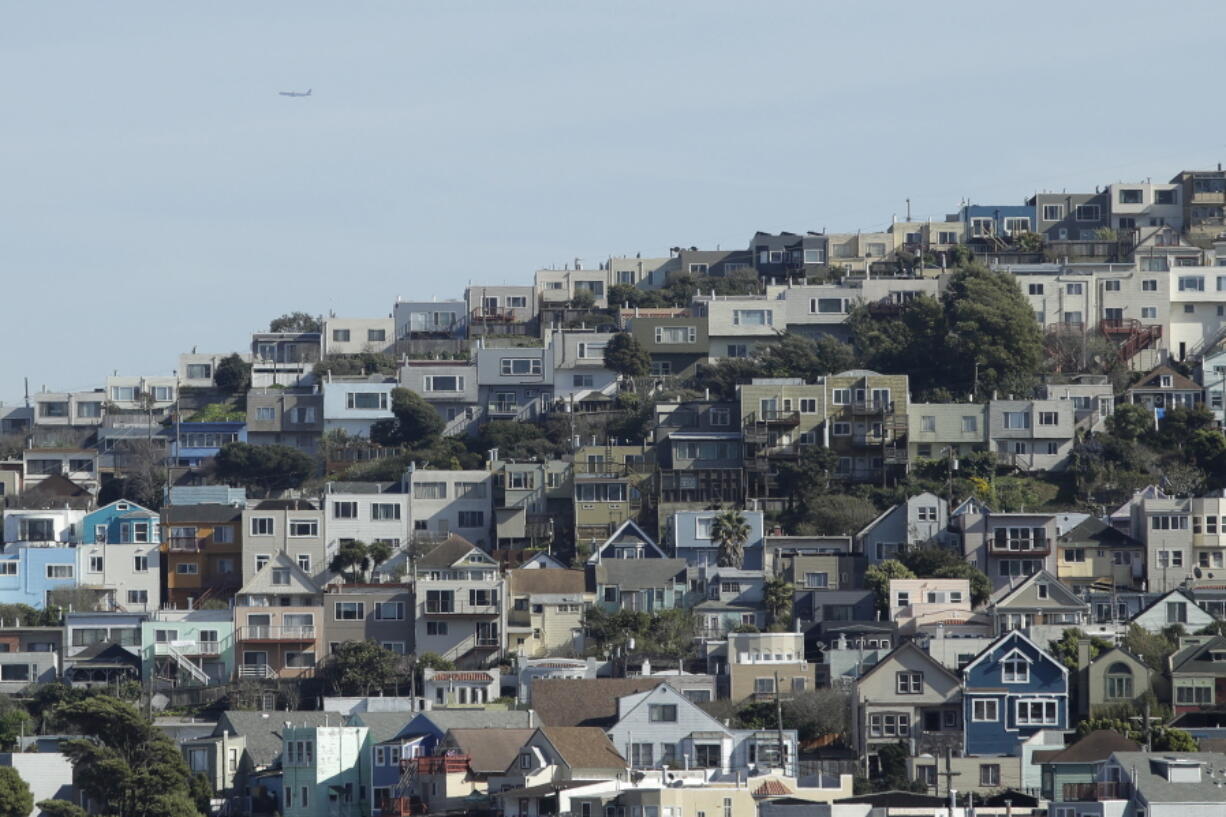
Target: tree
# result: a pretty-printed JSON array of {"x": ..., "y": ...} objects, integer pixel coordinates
[
  {"x": 811, "y": 472},
  {"x": 1152, "y": 648},
  {"x": 352, "y": 557},
  {"x": 730, "y": 532},
  {"x": 723, "y": 376},
  {"x": 142, "y": 475},
  {"x": 1066, "y": 648},
  {"x": 233, "y": 375},
  {"x": 414, "y": 421},
  {"x": 942, "y": 563},
  {"x": 1130, "y": 421},
  {"x": 362, "y": 668},
  {"x": 794, "y": 355},
  {"x": 817, "y": 713},
  {"x": 429, "y": 660},
  {"x": 611, "y": 632},
  {"x": 379, "y": 552},
  {"x": 296, "y": 322},
  {"x": 15, "y": 797},
  {"x": 626, "y": 356},
  {"x": 777, "y": 594},
  {"x": 993, "y": 336},
  {"x": 835, "y": 514},
  {"x": 14, "y": 722},
  {"x": 877, "y": 578},
  {"x": 582, "y": 299},
  {"x": 61, "y": 808},
  {"x": 671, "y": 634},
  {"x": 1163, "y": 738},
  {"x": 267, "y": 468}
]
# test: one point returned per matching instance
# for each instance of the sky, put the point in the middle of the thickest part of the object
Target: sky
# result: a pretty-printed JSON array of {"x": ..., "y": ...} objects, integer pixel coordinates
[{"x": 157, "y": 195}]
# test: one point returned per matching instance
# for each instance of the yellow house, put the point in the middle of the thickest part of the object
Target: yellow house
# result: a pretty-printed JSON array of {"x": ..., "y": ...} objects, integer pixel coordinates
[
  {"x": 1098, "y": 555},
  {"x": 546, "y": 611},
  {"x": 610, "y": 482}
]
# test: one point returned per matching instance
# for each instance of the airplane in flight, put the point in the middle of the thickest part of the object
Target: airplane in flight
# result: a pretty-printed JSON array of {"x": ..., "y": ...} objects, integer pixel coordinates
[{"x": 294, "y": 93}]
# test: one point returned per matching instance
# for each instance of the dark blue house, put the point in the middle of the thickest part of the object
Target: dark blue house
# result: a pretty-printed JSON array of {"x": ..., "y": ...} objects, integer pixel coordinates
[{"x": 1010, "y": 691}]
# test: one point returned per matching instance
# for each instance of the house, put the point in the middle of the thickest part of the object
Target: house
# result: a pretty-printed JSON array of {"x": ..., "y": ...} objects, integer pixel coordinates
[
  {"x": 700, "y": 468},
  {"x": 194, "y": 443},
  {"x": 451, "y": 387},
  {"x": 640, "y": 584},
  {"x": 1165, "y": 526},
  {"x": 1067, "y": 771},
  {"x": 944, "y": 431},
  {"x": 553, "y": 765},
  {"x": 28, "y": 654},
  {"x": 52, "y": 411},
  {"x": 196, "y": 369},
  {"x": 917, "y": 521},
  {"x": 983, "y": 776},
  {"x": 782, "y": 255},
  {"x": 1094, "y": 553},
  {"x": 765, "y": 667},
  {"x": 323, "y": 771},
  {"x": 501, "y": 310},
  {"x": 77, "y": 464},
  {"x": 461, "y": 771},
  {"x": 533, "y": 502},
  {"x": 202, "y": 550},
  {"x": 1038, "y": 603},
  {"x": 514, "y": 382},
  {"x": 1175, "y": 607},
  {"x": 530, "y": 670},
  {"x": 908, "y": 696},
  {"x": 44, "y": 525},
  {"x": 285, "y": 416},
  {"x": 356, "y": 336},
  {"x": 31, "y": 574},
  {"x": 277, "y": 621},
  {"x": 371, "y": 512},
  {"x": 353, "y": 404},
  {"x": 460, "y": 599},
  {"x": 1032, "y": 435},
  {"x": 369, "y": 612},
  {"x": 607, "y": 489},
  {"x": 123, "y": 576},
  {"x": 1007, "y": 547},
  {"x": 458, "y": 688},
  {"x": 676, "y": 345},
  {"x": 193, "y": 647},
  {"x": 284, "y": 358},
  {"x": 833, "y": 570},
  {"x": 1114, "y": 677},
  {"x": 49, "y": 776},
  {"x": 1198, "y": 673},
  {"x": 102, "y": 648},
  {"x": 429, "y": 321},
  {"x": 584, "y": 701},
  {"x": 923, "y": 605},
  {"x": 144, "y": 396},
  {"x": 628, "y": 541},
  {"x": 546, "y": 611},
  {"x": 579, "y": 373},
  {"x": 442, "y": 503},
  {"x": 1164, "y": 388},
  {"x": 740, "y": 325},
  {"x": 1012, "y": 690},
  {"x": 1175, "y": 783},
  {"x": 290, "y": 527}
]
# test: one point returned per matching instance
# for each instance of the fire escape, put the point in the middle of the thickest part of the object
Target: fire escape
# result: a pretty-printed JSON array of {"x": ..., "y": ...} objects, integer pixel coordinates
[{"x": 1130, "y": 335}]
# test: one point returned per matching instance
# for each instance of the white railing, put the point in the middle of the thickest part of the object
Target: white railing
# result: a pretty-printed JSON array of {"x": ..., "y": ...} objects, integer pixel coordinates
[
  {"x": 266, "y": 633},
  {"x": 256, "y": 671},
  {"x": 183, "y": 661}
]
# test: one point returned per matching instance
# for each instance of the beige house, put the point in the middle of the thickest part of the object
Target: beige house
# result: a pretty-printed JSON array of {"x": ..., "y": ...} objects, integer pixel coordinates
[
  {"x": 982, "y": 775},
  {"x": 278, "y": 615},
  {"x": 921, "y": 605},
  {"x": 937, "y": 430},
  {"x": 907, "y": 696},
  {"x": 764, "y": 665},
  {"x": 545, "y": 615}
]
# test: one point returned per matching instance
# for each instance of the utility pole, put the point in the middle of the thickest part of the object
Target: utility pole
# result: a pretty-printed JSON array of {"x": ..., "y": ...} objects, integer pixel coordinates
[
  {"x": 779, "y": 723},
  {"x": 949, "y": 776}
]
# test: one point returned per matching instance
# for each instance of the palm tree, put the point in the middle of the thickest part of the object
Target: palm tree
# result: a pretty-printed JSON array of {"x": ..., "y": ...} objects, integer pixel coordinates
[
  {"x": 731, "y": 532},
  {"x": 777, "y": 594},
  {"x": 379, "y": 552},
  {"x": 351, "y": 557}
]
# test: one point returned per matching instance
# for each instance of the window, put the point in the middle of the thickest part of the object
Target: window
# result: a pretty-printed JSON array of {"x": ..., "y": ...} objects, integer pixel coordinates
[
  {"x": 662, "y": 713},
  {"x": 436, "y": 628},
  {"x": 376, "y": 335},
  {"x": 720, "y": 417},
  {"x": 439, "y": 382},
  {"x": 430, "y": 490},
  {"x": 738, "y": 350},
  {"x": 909, "y": 683},
  {"x": 1037, "y": 713},
  {"x": 970, "y": 424},
  {"x": 261, "y": 561},
  {"x": 1149, "y": 312},
  {"x": 389, "y": 611},
  {"x": 1074, "y": 289},
  {"x": 592, "y": 351},
  {"x": 1111, "y": 286},
  {"x": 61, "y": 571},
  {"x": 1017, "y": 225},
  {"x": 817, "y": 580},
  {"x": 187, "y": 568},
  {"x": 928, "y": 422},
  {"x": 752, "y": 317},
  {"x": 90, "y": 409},
  {"x": 1015, "y": 670},
  {"x": 95, "y": 564},
  {"x": 471, "y": 519},
  {"x": 304, "y": 527},
  {"x": 304, "y": 562},
  {"x": 263, "y": 526},
  {"x": 350, "y": 611},
  {"x": 1017, "y": 419},
  {"x": 1048, "y": 418},
  {"x": 582, "y": 381},
  {"x": 385, "y": 511},
  {"x": 138, "y": 597},
  {"x": 1089, "y": 212},
  {"x": 1035, "y": 289},
  {"x": 989, "y": 774},
  {"x": 367, "y": 400},
  {"x": 1176, "y": 612},
  {"x": 889, "y": 725},
  {"x": 1053, "y": 212},
  {"x": 1193, "y": 693},
  {"x": 1191, "y": 283},
  {"x": 841, "y": 429},
  {"x": 985, "y": 709},
  {"x": 676, "y": 334},
  {"x": 520, "y": 366},
  {"x": 340, "y": 335},
  {"x": 1074, "y": 555},
  {"x": 1119, "y": 681}
]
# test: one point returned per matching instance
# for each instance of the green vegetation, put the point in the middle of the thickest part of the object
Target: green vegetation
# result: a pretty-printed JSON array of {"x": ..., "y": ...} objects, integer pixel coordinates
[
  {"x": 363, "y": 668},
  {"x": 233, "y": 375},
  {"x": 265, "y": 468},
  {"x": 365, "y": 363},
  {"x": 414, "y": 422},
  {"x": 296, "y": 322},
  {"x": 218, "y": 413},
  {"x": 626, "y": 356}
]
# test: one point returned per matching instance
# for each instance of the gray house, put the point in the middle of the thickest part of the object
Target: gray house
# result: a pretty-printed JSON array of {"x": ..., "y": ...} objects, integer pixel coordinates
[
  {"x": 1071, "y": 216},
  {"x": 380, "y": 612},
  {"x": 451, "y": 387},
  {"x": 292, "y": 417},
  {"x": 501, "y": 310},
  {"x": 908, "y": 524},
  {"x": 514, "y": 382}
]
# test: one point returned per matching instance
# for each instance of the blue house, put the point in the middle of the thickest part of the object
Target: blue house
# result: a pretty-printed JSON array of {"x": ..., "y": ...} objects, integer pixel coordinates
[
  {"x": 1012, "y": 690},
  {"x": 691, "y": 538},
  {"x": 193, "y": 443},
  {"x": 123, "y": 522},
  {"x": 29, "y": 572}
]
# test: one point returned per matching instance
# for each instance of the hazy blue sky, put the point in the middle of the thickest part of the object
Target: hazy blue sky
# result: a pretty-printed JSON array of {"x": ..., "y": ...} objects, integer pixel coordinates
[{"x": 156, "y": 194}]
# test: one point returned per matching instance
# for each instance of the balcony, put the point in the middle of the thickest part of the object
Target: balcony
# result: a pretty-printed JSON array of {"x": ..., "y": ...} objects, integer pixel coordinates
[
  {"x": 182, "y": 544},
  {"x": 773, "y": 417},
  {"x": 258, "y": 671},
  {"x": 266, "y": 633},
  {"x": 458, "y": 607},
  {"x": 487, "y": 643},
  {"x": 400, "y": 807},
  {"x": 869, "y": 407},
  {"x": 187, "y": 647},
  {"x": 449, "y": 764},
  {"x": 503, "y": 409},
  {"x": 1093, "y": 792}
]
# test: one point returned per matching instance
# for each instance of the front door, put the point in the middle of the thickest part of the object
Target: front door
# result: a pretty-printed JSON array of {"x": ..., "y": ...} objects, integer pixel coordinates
[{"x": 932, "y": 721}]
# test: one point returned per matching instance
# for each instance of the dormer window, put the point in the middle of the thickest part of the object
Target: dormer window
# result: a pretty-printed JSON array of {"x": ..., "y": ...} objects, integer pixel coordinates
[
  {"x": 280, "y": 575},
  {"x": 525, "y": 761},
  {"x": 1217, "y": 656},
  {"x": 1164, "y": 381},
  {"x": 1015, "y": 669},
  {"x": 1041, "y": 589}
]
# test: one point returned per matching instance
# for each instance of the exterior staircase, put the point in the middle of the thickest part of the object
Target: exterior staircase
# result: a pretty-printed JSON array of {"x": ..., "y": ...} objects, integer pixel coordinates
[{"x": 166, "y": 648}]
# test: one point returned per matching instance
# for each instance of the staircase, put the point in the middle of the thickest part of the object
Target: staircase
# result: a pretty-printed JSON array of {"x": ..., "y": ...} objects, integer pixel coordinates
[
  {"x": 459, "y": 425},
  {"x": 1132, "y": 335},
  {"x": 185, "y": 663}
]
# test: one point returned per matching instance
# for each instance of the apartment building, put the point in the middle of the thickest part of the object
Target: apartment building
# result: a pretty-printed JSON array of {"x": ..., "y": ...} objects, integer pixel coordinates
[
  {"x": 369, "y": 612},
  {"x": 202, "y": 552},
  {"x": 501, "y": 310},
  {"x": 76, "y": 410},
  {"x": 533, "y": 502},
  {"x": 278, "y": 618},
  {"x": 1184, "y": 539},
  {"x": 445, "y": 502},
  {"x": 351, "y": 405},
  {"x": 285, "y": 416},
  {"x": 514, "y": 382},
  {"x": 367, "y": 512},
  {"x": 739, "y": 325},
  {"x": 545, "y": 612},
  {"x": 290, "y": 527},
  {"x": 451, "y": 387},
  {"x": 355, "y": 336},
  {"x": 610, "y": 484},
  {"x": 676, "y": 344},
  {"x": 284, "y": 358},
  {"x": 946, "y": 430},
  {"x": 764, "y": 666},
  {"x": 1007, "y": 547},
  {"x": 460, "y": 604},
  {"x": 1033, "y": 435}
]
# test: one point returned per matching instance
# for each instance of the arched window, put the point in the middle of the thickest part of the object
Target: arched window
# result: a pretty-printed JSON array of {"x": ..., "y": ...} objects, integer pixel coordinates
[{"x": 1119, "y": 682}]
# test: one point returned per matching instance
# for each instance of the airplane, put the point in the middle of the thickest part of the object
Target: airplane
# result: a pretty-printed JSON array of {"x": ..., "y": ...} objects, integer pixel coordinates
[{"x": 294, "y": 93}]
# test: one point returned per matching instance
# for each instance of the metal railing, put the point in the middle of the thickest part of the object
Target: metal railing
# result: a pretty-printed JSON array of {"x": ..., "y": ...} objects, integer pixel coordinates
[
  {"x": 256, "y": 671},
  {"x": 1093, "y": 792},
  {"x": 183, "y": 544},
  {"x": 187, "y": 647},
  {"x": 460, "y": 607},
  {"x": 274, "y": 633}
]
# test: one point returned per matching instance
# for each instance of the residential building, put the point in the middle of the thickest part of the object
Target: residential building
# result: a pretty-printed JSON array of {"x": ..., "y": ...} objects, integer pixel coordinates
[
  {"x": 196, "y": 370},
  {"x": 1177, "y": 783},
  {"x": 907, "y": 696},
  {"x": 123, "y": 574},
  {"x": 764, "y": 666},
  {"x": 31, "y": 573},
  {"x": 29, "y": 655},
  {"x": 80, "y": 465},
  {"x": 284, "y": 358},
  {"x": 501, "y": 310},
  {"x": 285, "y": 416},
  {"x": 323, "y": 771},
  {"x": 545, "y": 615},
  {"x": 693, "y": 261},
  {"x": 815, "y": 310},
  {"x": 48, "y": 775},
  {"x": 785, "y": 255},
  {"x": 533, "y": 502},
  {"x": 278, "y": 621},
  {"x": 293, "y": 527},
  {"x": 946, "y": 431},
  {"x": 919, "y": 520},
  {"x": 1033, "y": 435},
  {"x": 1175, "y": 607},
  {"x": 193, "y": 647},
  {"x": 982, "y": 776},
  {"x": 555, "y": 287},
  {"x": 202, "y": 549},
  {"x": 918, "y": 605},
  {"x": 1197, "y": 673},
  {"x": 458, "y": 688},
  {"x": 732, "y": 598},
  {"x": 648, "y": 585},
  {"x": 1039, "y": 601},
  {"x": 62, "y": 525},
  {"x": 1164, "y": 388},
  {"x": 514, "y": 382},
  {"x": 1113, "y": 678},
  {"x": 448, "y": 385},
  {"x": 355, "y": 336},
  {"x": 676, "y": 344},
  {"x": 1067, "y": 770},
  {"x": 1012, "y": 690},
  {"x": 740, "y": 325},
  {"x": 1135, "y": 205},
  {"x": 857, "y": 253},
  {"x": 194, "y": 443},
  {"x": 102, "y": 648},
  {"x": 612, "y": 487},
  {"x": 369, "y": 612},
  {"x": 442, "y": 503},
  {"x": 1069, "y": 217},
  {"x": 368, "y": 512},
  {"x": 430, "y": 320},
  {"x": 53, "y": 410},
  {"x": 991, "y": 227},
  {"x": 1006, "y": 546},
  {"x": 578, "y": 367},
  {"x": 1204, "y": 204},
  {"x": 460, "y": 604},
  {"x": 1165, "y": 526},
  {"x": 553, "y": 765},
  {"x": 353, "y": 404},
  {"x": 652, "y": 273},
  {"x": 1095, "y": 554},
  {"x": 690, "y": 535}
]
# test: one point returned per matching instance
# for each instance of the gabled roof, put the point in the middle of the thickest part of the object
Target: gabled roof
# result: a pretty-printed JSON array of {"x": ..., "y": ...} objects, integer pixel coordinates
[
  {"x": 299, "y": 582},
  {"x": 132, "y": 507},
  {"x": 263, "y": 729},
  {"x": 909, "y": 646},
  {"x": 628, "y": 533},
  {"x": 541, "y": 560},
  {"x": 638, "y": 574},
  {"x": 1094, "y": 747},
  {"x": 1056, "y": 591},
  {"x": 583, "y": 747},
  {"x": 584, "y": 701},
  {"x": 1097, "y": 533},
  {"x": 1178, "y": 381},
  {"x": 450, "y": 553},
  {"x": 490, "y": 751},
  {"x": 548, "y": 581},
  {"x": 970, "y": 505},
  {"x": 382, "y": 725},
  {"x": 1162, "y": 599},
  {"x": 1196, "y": 657},
  {"x": 446, "y": 719},
  {"x": 1012, "y": 635}
]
